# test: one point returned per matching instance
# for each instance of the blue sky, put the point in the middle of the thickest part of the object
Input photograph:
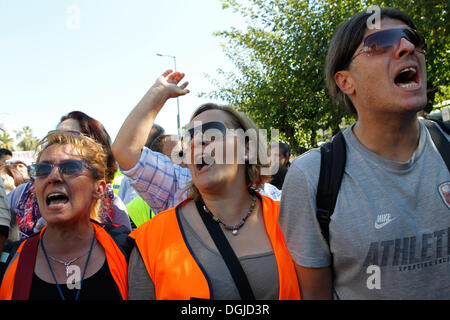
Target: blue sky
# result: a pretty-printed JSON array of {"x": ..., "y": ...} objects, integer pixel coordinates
[{"x": 52, "y": 63}]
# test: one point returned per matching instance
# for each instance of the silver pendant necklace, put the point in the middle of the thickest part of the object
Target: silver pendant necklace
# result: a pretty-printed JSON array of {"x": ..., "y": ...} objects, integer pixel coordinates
[
  {"x": 53, "y": 274},
  {"x": 234, "y": 229},
  {"x": 67, "y": 263}
]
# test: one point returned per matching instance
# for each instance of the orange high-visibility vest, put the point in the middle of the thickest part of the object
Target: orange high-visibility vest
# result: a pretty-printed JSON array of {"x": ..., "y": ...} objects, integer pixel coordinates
[
  {"x": 176, "y": 274},
  {"x": 115, "y": 257}
]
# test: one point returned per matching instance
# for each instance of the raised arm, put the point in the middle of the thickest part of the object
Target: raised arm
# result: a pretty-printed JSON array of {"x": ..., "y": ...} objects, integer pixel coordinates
[{"x": 133, "y": 134}]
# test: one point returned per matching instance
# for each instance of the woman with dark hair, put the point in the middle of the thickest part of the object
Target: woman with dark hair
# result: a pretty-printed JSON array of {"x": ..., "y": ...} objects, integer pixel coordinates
[
  {"x": 79, "y": 121},
  {"x": 23, "y": 201}
]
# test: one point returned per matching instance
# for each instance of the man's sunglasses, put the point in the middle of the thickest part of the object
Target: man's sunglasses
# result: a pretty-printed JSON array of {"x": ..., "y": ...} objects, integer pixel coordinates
[
  {"x": 379, "y": 42},
  {"x": 67, "y": 168}
]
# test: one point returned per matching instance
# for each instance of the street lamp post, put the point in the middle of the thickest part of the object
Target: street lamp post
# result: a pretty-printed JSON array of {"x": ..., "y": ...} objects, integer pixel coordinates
[{"x": 178, "y": 102}]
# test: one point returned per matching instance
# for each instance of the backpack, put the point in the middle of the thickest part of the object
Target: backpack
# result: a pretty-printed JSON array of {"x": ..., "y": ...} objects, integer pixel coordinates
[{"x": 332, "y": 165}]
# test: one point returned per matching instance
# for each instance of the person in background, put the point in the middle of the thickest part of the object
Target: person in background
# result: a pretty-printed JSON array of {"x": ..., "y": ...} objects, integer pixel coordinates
[
  {"x": 126, "y": 191},
  {"x": 112, "y": 210},
  {"x": 222, "y": 193},
  {"x": 21, "y": 165},
  {"x": 138, "y": 210},
  {"x": 392, "y": 215},
  {"x": 5, "y": 217},
  {"x": 5, "y": 154},
  {"x": 168, "y": 144},
  {"x": 8, "y": 226},
  {"x": 13, "y": 175},
  {"x": 8, "y": 176},
  {"x": 279, "y": 154},
  {"x": 73, "y": 257}
]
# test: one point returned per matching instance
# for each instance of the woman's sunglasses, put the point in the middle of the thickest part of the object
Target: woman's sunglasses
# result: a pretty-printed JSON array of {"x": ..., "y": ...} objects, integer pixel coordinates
[
  {"x": 213, "y": 126},
  {"x": 66, "y": 168},
  {"x": 380, "y": 42}
]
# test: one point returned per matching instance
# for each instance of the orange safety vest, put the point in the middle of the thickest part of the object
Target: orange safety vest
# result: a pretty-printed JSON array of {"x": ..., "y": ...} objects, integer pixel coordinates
[
  {"x": 115, "y": 257},
  {"x": 176, "y": 274}
]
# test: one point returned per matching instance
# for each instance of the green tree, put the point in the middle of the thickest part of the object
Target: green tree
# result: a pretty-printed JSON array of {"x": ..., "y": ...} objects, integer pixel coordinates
[
  {"x": 6, "y": 141},
  {"x": 28, "y": 141},
  {"x": 280, "y": 60},
  {"x": 442, "y": 96}
]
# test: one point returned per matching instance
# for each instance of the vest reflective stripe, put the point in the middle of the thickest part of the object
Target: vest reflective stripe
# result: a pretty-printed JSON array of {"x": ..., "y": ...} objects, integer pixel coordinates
[
  {"x": 117, "y": 264},
  {"x": 174, "y": 271}
]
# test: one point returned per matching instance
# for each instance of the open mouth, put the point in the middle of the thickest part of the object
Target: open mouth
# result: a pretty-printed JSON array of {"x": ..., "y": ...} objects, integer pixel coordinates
[
  {"x": 203, "y": 162},
  {"x": 407, "y": 78},
  {"x": 56, "y": 199}
]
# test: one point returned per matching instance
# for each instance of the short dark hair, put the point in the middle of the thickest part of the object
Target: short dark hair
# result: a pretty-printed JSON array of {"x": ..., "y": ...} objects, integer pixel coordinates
[
  {"x": 343, "y": 45},
  {"x": 283, "y": 147},
  {"x": 155, "y": 132},
  {"x": 158, "y": 143},
  {"x": 5, "y": 152}
]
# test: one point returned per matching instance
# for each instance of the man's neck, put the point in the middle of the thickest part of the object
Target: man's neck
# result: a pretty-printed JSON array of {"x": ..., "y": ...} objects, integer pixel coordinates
[{"x": 394, "y": 138}]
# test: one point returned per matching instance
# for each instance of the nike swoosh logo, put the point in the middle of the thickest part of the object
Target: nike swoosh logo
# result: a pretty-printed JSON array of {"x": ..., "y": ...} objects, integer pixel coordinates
[{"x": 381, "y": 225}]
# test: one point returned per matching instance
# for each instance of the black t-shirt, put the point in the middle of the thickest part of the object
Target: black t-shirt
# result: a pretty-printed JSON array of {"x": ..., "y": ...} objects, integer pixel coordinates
[{"x": 100, "y": 286}]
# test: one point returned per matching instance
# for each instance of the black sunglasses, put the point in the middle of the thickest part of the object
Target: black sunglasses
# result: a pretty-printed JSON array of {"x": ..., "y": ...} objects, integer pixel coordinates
[
  {"x": 379, "y": 42},
  {"x": 67, "y": 168},
  {"x": 215, "y": 125}
]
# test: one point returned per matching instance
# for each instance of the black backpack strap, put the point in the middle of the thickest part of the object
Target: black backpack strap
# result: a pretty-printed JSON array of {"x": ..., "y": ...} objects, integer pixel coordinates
[
  {"x": 439, "y": 139},
  {"x": 332, "y": 165},
  {"x": 444, "y": 125},
  {"x": 228, "y": 255}
]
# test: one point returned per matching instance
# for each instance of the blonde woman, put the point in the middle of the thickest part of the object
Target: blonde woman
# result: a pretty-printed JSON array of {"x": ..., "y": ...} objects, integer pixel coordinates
[
  {"x": 224, "y": 241},
  {"x": 73, "y": 257}
]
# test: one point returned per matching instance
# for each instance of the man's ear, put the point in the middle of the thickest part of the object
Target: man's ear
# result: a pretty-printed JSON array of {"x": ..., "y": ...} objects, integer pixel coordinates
[
  {"x": 345, "y": 82},
  {"x": 99, "y": 189}
]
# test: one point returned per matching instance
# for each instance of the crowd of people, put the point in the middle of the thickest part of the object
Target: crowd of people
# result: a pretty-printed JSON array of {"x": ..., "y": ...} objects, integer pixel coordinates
[{"x": 156, "y": 216}]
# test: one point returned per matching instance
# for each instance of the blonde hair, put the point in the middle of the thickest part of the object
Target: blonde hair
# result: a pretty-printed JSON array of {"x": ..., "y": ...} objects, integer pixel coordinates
[
  {"x": 87, "y": 148},
  {"x": 238, "y": 120}
]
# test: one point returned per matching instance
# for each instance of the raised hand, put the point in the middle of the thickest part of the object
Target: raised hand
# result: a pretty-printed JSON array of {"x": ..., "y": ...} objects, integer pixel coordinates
[
  {"x": 167, "y": 84},
  {"x": 133, "y": 134}
]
